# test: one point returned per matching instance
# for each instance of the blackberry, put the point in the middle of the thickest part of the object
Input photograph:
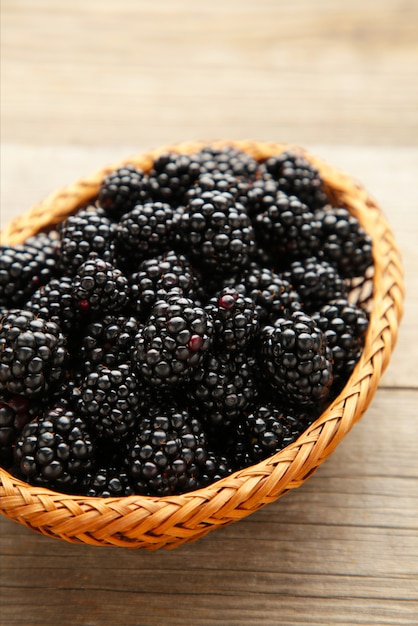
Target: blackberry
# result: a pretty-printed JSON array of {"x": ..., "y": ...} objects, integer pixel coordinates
[
  {"x": 264, "y": 431},
  {"x": 297, "y": 177},
  {"x": 170, "y": 455},
  {"x": 87, "y": 232},
  {"x": 344, "y": 326},
  {"x": 287, "y": 229},
  {"x": 345, "y": 243},
  {"x": 316, "y": 281},
  {"x": 108, "y": 482},
  {"x": 172, "y": 175},
  {"x": 107, "y": 341},
  {"x": 24, "y": 268},
  {"x": 227, "y": 161},
  {"x": 32, "y": 354},
  {"x": 235, "y": 320},
  {"x": 15, "y": 413},
  {"x": 173, "y": 341},
  {"x": 216, "y": 233},
  {"x": 297, "y": 360},
  {"x": 273, "y": 294},
  {"x": 122, "y": 190},
  {"x": 223, "y": 387},
  {"x": 144, "y": 232},
  {"x": 54, "y": 302},
  {"x": 99, "y": 286},
  {"x": 56, "y": 450},
  {"x": 260, "y": 196},
  {"x": 159, "y": 276},
  {"x": 221, "y": 183},
  {"x": 110, "y": 401}
]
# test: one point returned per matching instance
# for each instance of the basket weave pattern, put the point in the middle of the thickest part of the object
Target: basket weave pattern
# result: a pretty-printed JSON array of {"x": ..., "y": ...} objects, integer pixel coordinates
[{"x": 152, "y": 522}]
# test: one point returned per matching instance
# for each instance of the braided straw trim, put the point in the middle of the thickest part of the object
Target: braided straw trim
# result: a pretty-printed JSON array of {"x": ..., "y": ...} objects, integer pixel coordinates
[{"x": 152, "y": 522}]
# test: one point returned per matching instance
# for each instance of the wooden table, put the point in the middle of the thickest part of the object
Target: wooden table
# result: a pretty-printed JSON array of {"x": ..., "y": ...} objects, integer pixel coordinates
[{"x": 88, "y": 83}]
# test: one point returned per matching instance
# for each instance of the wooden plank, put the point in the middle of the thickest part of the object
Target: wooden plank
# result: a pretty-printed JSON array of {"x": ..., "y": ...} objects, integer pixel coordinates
[
  {"x": 99, "y": 72},
  {"x": 343, "y": 549}
]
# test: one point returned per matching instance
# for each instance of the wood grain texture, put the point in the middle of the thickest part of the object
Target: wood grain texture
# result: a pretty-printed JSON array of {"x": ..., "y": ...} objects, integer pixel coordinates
[{"x": 132, "y": 70}]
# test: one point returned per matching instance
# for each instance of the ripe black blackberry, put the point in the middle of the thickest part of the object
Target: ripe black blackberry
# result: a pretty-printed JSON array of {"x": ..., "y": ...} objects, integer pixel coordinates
[
  {"x": 123, "y": 189},
  {"x": 297, "y": 360},
  {"x": 273, "y": 294},
  {"x": 297, "y": 177},
  {"x": 260, "y": 195},
  {"x": 108, "y": 482},
  {"x": 235, "y": 320},
  {"x": 32, "y": 354},
  {"x": 287, "y": 229},
  {"x": 99, "y": 286},
  {"x": 110, "y": 401},
  {"x": 169, "y": 454},
  {"x": 264, "y": 431},
  {"x": 172, "y": 175},
  {"x": 227, "y": 160},
  {"x": 24, "y": 268},
  {"x": 220, "y": 182},
  {"x": 216, "y": 233},
  {"x": 156, "y": 277},
  {"x": 15, "y": 413},
  {"x": 223, "y": 387},
  {"x": 344, "y": 326},
  {"x": 316, "y": 281},
  {"x": 88, "y": 232},
  {"x": 345, "y": 243},
  {"x": 144, "y": 232},
  {"x": 173, "y": 341},
  {"x": 54, "y": 302},
  {"x": 56, "y": 450},
  {"x": 107, "y": 341}
]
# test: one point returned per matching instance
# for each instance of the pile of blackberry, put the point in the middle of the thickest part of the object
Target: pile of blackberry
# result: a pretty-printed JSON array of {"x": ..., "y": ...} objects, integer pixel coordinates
[{"x": 191, "y": 321}]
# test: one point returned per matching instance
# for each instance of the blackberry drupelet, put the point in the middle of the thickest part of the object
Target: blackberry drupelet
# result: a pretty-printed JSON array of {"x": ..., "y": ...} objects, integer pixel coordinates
[
  {"x": 216, "y": 233},
  {"x": 287, "y": 230},
  {"x": 54, "y": 302},
  {"x": 297, "y": 177},
  {"x": 235, "y": 320},
  {"x": 316, "y": 281},
  {"x": 87, "y": 232},
  {"x": 32, "y": 354},
  {"x": 107, "y": 341},
  {"x": 172, "y": 175},
  {"x": 169, "y": 454},
  {"x": 144, "y": 232},
  {"x": 15, "y": 413},
  {"x": 24, "y": 268},
  {"x": 260, "y": 196},
  {"x": 110, "y": 401},
  {"x": 264, "y": 431},
  {"x": 297, "y": 360},
  {"x": 345, "y": 243},
  {"x": 99, "y": 286},
  {"x": 227, "y": 161},
  {"x": 123, "y": 189},
  {"x": 344, "y": 326},
  {"x": 56, "y": 450},
  {"x": 173, "y": 341},
  {"x": 220, "y": 182},
  {"x": 223, "y": 387},
  {"x": 273, "y": 294},
  {"x": 159, "y": 276}
]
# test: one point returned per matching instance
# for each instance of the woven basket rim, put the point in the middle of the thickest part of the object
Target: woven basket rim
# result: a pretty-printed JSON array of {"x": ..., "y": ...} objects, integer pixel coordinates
[{"x": 188, "y": 516}]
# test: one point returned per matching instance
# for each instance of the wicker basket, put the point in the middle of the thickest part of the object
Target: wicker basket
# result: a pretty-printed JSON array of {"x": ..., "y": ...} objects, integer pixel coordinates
[{"x": 152, "y": 522}]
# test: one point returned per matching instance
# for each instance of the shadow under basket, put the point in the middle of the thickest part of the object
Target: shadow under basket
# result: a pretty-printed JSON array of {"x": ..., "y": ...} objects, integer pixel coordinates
[{"x": 155, "y": 522}]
